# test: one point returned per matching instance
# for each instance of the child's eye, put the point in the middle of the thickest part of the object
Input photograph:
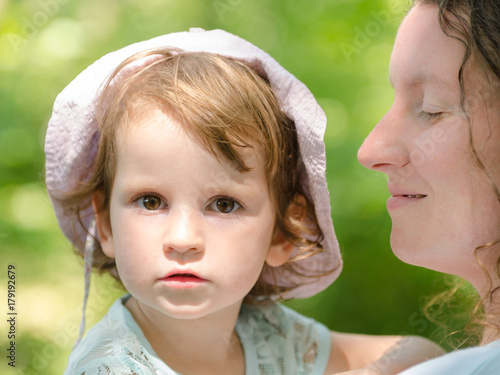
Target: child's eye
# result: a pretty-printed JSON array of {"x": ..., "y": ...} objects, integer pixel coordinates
[
  {"x": 224, "y": 205},
  {"x": 150, "y": 202}
]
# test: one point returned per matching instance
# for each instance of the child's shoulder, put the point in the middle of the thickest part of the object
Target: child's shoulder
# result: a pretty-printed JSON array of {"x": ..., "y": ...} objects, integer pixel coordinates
[
  {"x": 114, "y": 346},
  {"x": 276, "y": 337}
]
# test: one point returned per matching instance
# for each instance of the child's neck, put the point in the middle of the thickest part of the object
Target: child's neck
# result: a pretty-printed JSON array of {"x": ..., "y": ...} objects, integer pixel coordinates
[{"x": 194, "y": 346}]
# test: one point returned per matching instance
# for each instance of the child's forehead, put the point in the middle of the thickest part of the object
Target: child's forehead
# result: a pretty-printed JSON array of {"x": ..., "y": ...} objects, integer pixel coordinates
[{"x": 152, "y": 123}]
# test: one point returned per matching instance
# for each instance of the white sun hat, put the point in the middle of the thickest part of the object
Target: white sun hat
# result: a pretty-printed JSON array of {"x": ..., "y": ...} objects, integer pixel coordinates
[{"x": 72, "y": 140}]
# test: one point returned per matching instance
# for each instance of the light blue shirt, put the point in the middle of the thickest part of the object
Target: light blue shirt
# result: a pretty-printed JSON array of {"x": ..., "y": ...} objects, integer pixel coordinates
[
  {"x": 275, "y": 340},
  {"x": 481, "y": 360}
]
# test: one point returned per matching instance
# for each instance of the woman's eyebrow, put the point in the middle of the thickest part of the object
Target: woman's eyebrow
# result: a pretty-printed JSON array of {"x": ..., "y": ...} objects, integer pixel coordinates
[{"x": 421, "y": 79}]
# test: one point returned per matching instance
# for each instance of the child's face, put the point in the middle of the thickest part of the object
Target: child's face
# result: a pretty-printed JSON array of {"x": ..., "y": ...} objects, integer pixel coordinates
[{"x": 190, "y": 235}]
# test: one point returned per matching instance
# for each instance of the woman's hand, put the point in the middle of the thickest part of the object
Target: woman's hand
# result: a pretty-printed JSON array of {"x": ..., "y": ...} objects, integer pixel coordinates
[{"x": 378, "y": 355}]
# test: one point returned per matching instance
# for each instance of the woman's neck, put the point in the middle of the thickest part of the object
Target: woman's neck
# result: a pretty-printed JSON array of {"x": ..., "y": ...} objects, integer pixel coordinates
[
  {"x": 208, "y": 345},
  {"x": 491, "y": 304},
  {"x": 492, "y": 320},
  {"x": 490, "y": 335}
]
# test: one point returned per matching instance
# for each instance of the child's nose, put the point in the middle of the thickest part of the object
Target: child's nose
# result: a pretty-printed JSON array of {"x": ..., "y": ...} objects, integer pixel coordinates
[
  {"x": 184, "y": 231},
  {"x": 383, "y": 149}
]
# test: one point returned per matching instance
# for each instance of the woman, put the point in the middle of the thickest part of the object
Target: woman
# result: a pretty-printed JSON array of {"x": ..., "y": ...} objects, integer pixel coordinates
[{"x": 439, "y": 144}]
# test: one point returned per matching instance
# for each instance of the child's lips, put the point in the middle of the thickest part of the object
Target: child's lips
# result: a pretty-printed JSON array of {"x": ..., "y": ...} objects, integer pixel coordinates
[
  {"x": 182, "y": 273},
  {"x": 183, "y": 279}
]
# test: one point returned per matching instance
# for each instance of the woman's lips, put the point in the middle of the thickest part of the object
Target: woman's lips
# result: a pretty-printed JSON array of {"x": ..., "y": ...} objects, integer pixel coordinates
[
  {"x": 402, "y": 196},
  {"x": 397, "y": 201}
]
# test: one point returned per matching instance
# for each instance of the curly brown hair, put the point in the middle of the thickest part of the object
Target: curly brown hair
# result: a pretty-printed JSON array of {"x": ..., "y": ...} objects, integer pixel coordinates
[
  {"x": 476, "y": 24},
  {"x": 225, "y": 105}
]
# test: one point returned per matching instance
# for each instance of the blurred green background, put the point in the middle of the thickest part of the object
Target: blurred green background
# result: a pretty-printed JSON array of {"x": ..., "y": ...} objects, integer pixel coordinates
[{"x": 339, "y": 48}]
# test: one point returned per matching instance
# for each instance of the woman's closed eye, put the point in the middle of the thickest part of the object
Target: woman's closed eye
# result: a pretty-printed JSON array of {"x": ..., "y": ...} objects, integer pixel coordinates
[
  {"x": 430, "y": 115},
  {"x": 224, "y": 205},
  {"x": 150, "y": 202}
]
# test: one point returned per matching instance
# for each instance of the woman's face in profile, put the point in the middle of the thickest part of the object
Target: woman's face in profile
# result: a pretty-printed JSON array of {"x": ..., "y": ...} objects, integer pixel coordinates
[{"x": 442, "y": 205}]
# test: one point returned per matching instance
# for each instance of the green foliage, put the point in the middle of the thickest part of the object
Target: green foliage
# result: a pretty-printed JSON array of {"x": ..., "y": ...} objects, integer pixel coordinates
[{"x": 339, "y": 49}]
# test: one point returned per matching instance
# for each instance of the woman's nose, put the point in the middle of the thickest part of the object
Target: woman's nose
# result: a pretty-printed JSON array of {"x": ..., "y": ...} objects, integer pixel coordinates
[
  {"x": 184, "y": 231},
  {"x": 384, "y": 147}
]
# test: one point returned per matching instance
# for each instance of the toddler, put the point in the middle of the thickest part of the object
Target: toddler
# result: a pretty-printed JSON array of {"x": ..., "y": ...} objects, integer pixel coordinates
[{"x": 191, "y": 167}]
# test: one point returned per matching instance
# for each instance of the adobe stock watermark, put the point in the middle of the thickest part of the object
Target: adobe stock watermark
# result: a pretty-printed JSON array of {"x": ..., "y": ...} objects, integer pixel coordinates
[
  {"x": 363, "y": 36},
  {"x": 425, "y": 149},
  {"x": 30, "y": 26},
  {"x": 395, "y": 355},
  {"x": 426, "y": 146},
  {"x": 225, "y": 6}
]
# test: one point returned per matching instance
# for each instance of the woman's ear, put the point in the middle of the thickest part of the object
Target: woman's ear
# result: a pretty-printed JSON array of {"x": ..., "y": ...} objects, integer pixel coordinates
[
  {"x": 281, "y": 248},
  {"x": 103, "y": 224}
]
